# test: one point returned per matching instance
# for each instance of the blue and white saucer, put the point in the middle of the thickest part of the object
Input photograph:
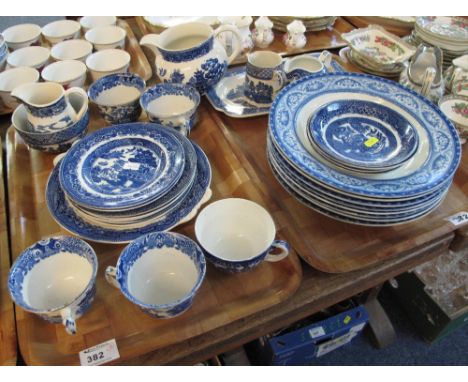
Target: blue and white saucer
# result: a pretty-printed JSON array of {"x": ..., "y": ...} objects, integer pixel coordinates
[
  {"x": 362, "y": 135},
  {"x": 228, "y": 96},
  {"x": 66, "y": 217},
  {"x": 122, "y": 166}
]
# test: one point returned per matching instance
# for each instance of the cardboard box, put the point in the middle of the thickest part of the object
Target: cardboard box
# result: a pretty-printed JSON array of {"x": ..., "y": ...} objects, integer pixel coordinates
[
  {"x": 429, "y": 318},
  {"x": 301, "y": 346}
]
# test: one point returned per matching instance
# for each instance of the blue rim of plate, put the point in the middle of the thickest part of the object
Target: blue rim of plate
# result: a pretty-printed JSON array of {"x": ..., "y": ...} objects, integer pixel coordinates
[
  {"x": 66, "y": 217},
  {"x": 388, "y": 119},
  {"x": 347, "y": 198},
  {"x": 249, "y": 110},
  {"x": 161, "y": 181},
  {"x": 345, "y": 219},
  {"x": 444, "y": 138},
  {"x": 165, "y": 202},
  {"x": 344, "y": 209}
]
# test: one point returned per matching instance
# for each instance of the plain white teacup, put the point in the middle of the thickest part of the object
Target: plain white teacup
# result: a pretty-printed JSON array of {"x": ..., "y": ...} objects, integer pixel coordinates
[
  {"x": 61, "y": 30},
  {"x": 12, "y": 78},
  {"x": 238, "y": 234},
  {"x": 89, "y": 22},
  {"x": 72, "y": 50},
  {"x": 67, "y": 73},
  {"x": 108, "y": 37},
  {"x": 22, "y": 35},
  {"x": 33, "y": 56},
  {"x": 108, "y": 61}
]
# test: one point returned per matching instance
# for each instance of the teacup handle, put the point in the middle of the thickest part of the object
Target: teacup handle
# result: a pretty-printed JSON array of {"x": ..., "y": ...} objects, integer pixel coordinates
[
  {"x": 83, "y": 94},
  {"x": 237, "y": 36},
  {"x": 68, "y": 320},
  {"x": 111, "y": 276},
  {"x": 280, "y": 78},
  {"x": 325, "y": 58},
  {"x": 277, "y": 244},
  {"x": 457, "y": 73}
]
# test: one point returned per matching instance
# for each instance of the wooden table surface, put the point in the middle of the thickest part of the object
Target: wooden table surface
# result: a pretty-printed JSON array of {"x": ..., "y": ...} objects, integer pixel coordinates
[
  {"x": 393, "y": 252},
  {"x": 8, "y": 350}
]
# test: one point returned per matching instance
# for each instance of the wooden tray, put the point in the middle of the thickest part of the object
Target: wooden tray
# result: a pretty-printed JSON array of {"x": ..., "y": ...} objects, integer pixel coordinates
[
  {"x": 222, "y": 298},
  {"x": 7, "y": 316},
  {"x": 139, "y": 63},
  {"x": 327, "y": 244},
  {"x": 321, "y": 40},
  {"x": 399, "y": 29}
]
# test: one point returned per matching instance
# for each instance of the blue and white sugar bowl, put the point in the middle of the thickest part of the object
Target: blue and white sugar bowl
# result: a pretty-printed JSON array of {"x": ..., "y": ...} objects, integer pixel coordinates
[
  {"x": 172, "y": 105},
  {"x": 238, "y": 234},
  {"x": 117, "y": 97},
  {"x": 55, "y": 278},
  {"x": 160, "y": 272}
]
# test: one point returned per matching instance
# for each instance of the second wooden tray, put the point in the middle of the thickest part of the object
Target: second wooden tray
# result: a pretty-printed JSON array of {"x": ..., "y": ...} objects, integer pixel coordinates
[{"x": 222, "y": 299}]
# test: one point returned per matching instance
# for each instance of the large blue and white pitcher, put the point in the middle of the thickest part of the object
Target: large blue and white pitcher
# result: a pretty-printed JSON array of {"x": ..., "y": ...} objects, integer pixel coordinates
[{"x": 191, "y": 54}]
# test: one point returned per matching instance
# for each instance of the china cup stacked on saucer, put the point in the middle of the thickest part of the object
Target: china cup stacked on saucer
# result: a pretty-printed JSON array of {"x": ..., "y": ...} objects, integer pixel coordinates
[
  {"x": 124, "y": 181},
  {"x": 448, "y": 33},
  {"x": 361, "y": 149}
]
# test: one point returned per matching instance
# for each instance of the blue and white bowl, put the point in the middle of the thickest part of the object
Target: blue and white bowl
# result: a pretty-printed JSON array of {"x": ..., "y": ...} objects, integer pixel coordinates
[
  {"x": 238, "y": 234},
  {"x": 160, "y": 272},
  {"x": 172, "y": 105},
  {"x": 3, "y": 52},
  {"x": 53, "y": 141},
  {"x": 117, "y": 97},
  {"x": 55, "y": 278}
]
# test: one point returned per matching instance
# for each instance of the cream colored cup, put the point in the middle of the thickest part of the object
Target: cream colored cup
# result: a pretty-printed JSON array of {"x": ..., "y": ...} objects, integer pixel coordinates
[
  {"x": 109, "y": 37},
  {"x": 33, "y": 56},
  {"x": 12, "y": 78},
  {"x": 72, "y": 50},
  {"x": 67, "y": 73},
  {"x": 90, "y": 22},
  {"x": 108, "y": 61},
  {"x": 22, "y": 35},
  {"x": 61, "y": 30}
]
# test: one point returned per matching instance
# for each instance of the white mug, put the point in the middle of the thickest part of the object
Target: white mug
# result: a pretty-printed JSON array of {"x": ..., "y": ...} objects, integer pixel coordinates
[{"x": 264, "y": 76}]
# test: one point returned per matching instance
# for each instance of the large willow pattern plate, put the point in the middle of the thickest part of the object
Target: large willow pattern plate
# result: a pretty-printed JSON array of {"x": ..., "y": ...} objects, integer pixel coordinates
[{"x": 443, "y": 159}]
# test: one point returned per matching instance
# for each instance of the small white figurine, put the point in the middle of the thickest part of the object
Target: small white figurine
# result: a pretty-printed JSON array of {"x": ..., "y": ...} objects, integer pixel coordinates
[
  {"x": 295, "y": 37},
  {"x": 263, "y": 33}
]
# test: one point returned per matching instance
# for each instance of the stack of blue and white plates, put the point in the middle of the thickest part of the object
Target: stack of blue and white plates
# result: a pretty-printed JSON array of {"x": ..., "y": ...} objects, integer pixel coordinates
[
  {"x": 124, "y": 181},
  {"x": 361, "y": 149}
]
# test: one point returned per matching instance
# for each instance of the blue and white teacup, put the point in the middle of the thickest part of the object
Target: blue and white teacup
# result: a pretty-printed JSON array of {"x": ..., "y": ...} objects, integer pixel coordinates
[
  {"x": 305, "y": 65},
  {"x": 160, "y": 272},
  {"x": 117, "y": 97},
  {"x": 55, "y": 278},
  {"x": 238, "y": 234},
  {"x": 264, "y": 77},
  {"x": 172, "y": 105}
]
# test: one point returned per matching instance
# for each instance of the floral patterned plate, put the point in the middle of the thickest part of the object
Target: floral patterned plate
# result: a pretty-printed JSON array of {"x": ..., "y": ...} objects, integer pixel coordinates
[
  {"x": 379, "y": 46},
  {"x": 454, "y": 29}
]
